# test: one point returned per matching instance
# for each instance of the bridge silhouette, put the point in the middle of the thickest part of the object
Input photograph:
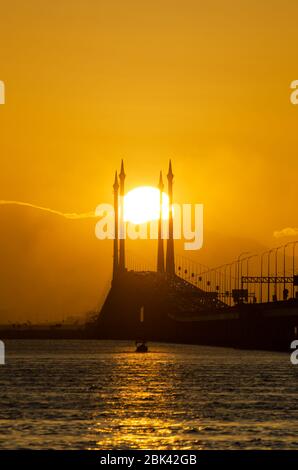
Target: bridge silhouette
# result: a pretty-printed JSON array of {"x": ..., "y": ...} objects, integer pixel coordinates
[{"x": 187, "y": 301}]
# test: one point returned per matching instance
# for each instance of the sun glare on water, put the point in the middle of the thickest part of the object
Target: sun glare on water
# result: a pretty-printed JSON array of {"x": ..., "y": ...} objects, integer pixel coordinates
[{"x": 141, "y": 205}]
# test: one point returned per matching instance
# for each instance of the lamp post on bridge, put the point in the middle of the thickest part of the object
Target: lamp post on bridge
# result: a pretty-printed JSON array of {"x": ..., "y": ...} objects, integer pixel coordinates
[
  {"x": 241, "y": 264},
  {"x": 238, "y": 262},
  {"x": 229, "y": 265},
  {"x": 268, "y": 284},
  {"x": 284, "y": 291},
  {"x": 247, "y": 266},
  {"x": 261, "y": 280},
  {"x": 276, "y": 268},
  {"x": 233, "y": 263}
]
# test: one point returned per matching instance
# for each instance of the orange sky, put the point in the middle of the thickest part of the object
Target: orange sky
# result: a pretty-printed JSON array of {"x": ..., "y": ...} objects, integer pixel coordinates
[{"x": 205, "y": 83}]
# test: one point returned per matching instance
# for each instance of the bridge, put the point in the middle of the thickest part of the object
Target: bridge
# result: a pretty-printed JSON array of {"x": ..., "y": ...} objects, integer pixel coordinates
[{"x": 180, "y": 292}]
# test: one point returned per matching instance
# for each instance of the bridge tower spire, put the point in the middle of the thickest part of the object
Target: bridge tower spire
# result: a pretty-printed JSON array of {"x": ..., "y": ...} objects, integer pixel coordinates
[
  {"x": 170, "y": 263},
  {"x": 116, "y": 212},
  {"x": 122, "y": 176},
  {"x": 160, "y": 250}
]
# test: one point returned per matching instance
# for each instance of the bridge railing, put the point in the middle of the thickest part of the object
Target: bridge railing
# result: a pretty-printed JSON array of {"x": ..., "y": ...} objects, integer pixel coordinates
[
  {"x": 265, "y": 276},
  {"x": 225, "y": 280}
]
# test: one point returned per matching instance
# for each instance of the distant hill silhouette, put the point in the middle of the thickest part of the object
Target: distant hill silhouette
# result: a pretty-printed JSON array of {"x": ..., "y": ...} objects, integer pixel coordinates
[{"x": 50, "y": 266}]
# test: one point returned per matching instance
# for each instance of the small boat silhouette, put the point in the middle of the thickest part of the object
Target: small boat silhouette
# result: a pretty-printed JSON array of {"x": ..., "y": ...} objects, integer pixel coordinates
[{"x": 141, "y": 347}]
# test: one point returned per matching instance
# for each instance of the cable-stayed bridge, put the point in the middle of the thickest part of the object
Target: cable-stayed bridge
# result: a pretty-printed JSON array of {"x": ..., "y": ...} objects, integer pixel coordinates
[{"x": 183, "y": 300}]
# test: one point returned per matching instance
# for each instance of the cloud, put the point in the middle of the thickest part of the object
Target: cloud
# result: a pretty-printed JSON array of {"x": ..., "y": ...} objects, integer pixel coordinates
[
  {"x": 286, "y": 232},
  {"x": 86, "y": 215}
]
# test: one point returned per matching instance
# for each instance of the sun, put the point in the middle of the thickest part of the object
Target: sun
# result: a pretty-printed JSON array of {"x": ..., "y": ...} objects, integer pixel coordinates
[{"x": 141, "y": 205}]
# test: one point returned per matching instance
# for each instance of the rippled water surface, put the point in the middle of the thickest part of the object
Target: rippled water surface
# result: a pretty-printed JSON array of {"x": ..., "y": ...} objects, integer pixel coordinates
[{"x": 103, "y": 395}]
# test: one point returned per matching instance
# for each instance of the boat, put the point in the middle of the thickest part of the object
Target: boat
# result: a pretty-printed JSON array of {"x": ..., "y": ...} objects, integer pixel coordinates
[{"x": 141, "y": 347}]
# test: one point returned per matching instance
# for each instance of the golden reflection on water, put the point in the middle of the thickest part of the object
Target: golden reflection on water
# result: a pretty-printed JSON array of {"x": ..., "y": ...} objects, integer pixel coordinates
[
  {"x": 102, "y": 395},
  {"x": 143, "y": 406}
]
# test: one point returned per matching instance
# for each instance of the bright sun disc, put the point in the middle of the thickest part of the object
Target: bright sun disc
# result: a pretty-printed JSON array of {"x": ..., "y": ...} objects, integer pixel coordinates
[{"x": 141, "y": 205}]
